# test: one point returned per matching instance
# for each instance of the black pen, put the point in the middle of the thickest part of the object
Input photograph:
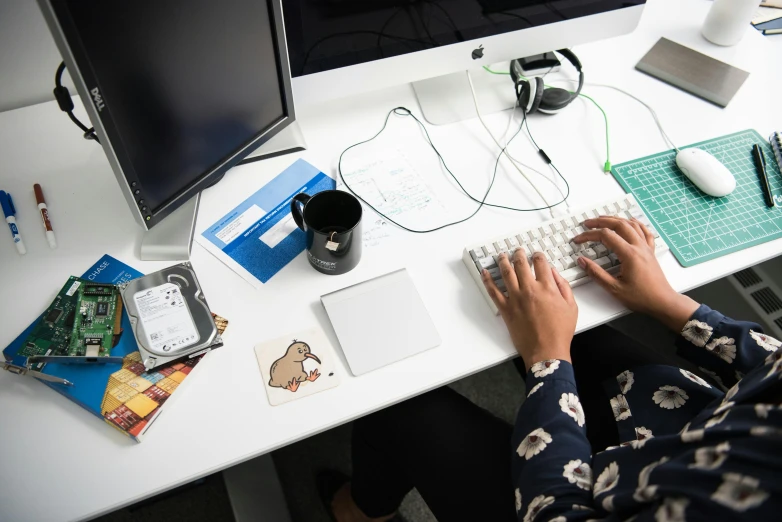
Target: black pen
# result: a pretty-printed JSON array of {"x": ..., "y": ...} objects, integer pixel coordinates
[{"x": 760, "y": 165}]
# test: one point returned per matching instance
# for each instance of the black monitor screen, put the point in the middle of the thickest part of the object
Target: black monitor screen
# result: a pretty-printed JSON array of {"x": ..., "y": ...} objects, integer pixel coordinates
[
  {"x": 328, "y": 34},
  {"x": 186, "y": 83}
]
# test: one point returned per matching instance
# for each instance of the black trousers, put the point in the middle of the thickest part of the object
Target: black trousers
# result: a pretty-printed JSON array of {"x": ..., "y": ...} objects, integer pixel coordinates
[{"x": 458, "y": 455}]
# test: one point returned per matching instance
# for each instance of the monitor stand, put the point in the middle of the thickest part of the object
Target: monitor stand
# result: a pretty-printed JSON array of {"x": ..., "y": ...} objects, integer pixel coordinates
[
  {"x": 171, "y": 239},
  {"x": 447, "y": 99}
]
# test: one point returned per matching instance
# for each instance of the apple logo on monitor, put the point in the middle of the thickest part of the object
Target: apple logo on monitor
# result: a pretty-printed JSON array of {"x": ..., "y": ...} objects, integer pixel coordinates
[{"x": 477, "y": 53}]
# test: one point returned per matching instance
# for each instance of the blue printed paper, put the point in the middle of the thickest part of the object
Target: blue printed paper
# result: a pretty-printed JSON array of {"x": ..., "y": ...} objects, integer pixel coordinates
[{"x": 259, "y": 237}]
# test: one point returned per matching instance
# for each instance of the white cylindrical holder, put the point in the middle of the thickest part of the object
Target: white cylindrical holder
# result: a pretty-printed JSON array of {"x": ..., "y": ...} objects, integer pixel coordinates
[{"x": 728, "y": 20}]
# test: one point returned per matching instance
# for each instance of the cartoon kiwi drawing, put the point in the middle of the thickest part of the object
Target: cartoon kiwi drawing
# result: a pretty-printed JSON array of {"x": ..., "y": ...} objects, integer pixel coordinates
[{"x": 288, "y": 371}]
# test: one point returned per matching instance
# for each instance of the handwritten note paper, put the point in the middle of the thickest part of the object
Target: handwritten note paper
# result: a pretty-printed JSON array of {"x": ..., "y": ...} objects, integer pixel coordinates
[{"x": 391, "y": 184}]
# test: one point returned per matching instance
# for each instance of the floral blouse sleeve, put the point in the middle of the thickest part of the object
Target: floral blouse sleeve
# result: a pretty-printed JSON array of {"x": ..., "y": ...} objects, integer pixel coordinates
[
  {"x": 552, "y": 461},
  {"x": 723, "y": 348}
]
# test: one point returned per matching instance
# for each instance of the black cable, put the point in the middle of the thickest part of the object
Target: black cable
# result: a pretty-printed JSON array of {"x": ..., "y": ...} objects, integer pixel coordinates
[
  {"x": 512, "y": 15},
  {"x": 403, "y": 111},
  {"x": 381, "y": 33},
  {"x": 63, "y": 97},
  {"x": 423, "y": 23},
  {"x": 457, "y": 32}
]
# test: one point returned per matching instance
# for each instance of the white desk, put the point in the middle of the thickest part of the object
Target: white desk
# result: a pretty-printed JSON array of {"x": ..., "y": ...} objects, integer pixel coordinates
[{"x": 61, "y": 463}]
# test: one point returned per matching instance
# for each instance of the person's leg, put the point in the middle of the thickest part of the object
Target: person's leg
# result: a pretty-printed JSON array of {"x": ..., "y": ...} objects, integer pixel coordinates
[
  {"x": 456, "y": 454},
  {"x": 600, "y": 354}
]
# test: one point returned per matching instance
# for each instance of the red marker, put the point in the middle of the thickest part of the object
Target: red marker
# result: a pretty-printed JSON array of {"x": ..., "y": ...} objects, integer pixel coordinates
[{"x": 47, "y": 225}]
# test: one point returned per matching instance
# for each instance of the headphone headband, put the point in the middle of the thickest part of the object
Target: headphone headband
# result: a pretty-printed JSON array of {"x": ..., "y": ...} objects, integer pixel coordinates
[{"x": 553, "y": 99}]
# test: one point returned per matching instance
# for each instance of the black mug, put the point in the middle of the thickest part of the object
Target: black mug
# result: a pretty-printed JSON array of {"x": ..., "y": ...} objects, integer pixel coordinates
[{"x": 332, "y": 221}]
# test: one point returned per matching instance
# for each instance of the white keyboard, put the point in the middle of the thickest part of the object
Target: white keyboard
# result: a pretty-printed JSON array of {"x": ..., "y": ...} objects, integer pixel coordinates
[{"x": 554, "y": 239}]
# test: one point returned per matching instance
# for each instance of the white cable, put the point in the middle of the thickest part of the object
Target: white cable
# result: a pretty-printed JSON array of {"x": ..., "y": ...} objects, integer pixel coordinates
[
  {"x": 664, "y": 134},
  {"x": 554, "y": 175},
  {"x": 506, "y": 142},
  {"x": 651, "y": 110},
  {"x": 502, "y": 149}
]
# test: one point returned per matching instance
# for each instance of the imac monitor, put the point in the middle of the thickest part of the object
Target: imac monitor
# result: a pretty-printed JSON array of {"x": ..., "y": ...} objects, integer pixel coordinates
[
  {"x": 179, "y": 91},
  {"x": 339, "y": 48}
]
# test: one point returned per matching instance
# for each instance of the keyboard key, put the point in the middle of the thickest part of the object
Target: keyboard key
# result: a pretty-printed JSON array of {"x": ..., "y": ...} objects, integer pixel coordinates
[
  {"x": 579, "y": 230},
  {"x": 566, "y": 249},
  {"x": 533, "y": 234},
  {"x": 522, "y": 239},
  {"x": 614, "y": 259},
  {"x": 543, "y": 232},
  {"x": 659, "y": 243},
  {"x": 495, "y": 273},
  {"x": 600, "y": 250},
  {"x": 572, "y": 274},
  {"x": 556, "y": 227},
  {"x": 489, "y": 250},
  {"x": 567, "y": 223},
  {"x": 555, "y": 253},
  {"x": 512, "y": 243},
  {"x": 590, "y": 253},
  {"x": 477, "y": 253},
  {"x": 487, "y": 263},
  {"x": 567, "y": 262},
  {"x": 603, "y": 262},
  {"x": 568, "y": 236},
  {"x": 546, "y": 243},
  {"x": 500, "y": 246}
]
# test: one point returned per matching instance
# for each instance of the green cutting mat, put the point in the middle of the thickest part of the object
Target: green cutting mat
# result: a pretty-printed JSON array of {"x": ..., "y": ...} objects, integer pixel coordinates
[{"x": 698, "y": 227}]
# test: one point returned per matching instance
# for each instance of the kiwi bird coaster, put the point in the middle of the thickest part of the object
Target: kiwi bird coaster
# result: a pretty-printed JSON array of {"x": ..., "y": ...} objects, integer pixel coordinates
[{"x": 297, "y": 365}]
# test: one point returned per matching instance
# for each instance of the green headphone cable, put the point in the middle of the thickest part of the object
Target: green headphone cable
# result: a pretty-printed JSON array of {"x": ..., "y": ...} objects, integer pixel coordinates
[{"x": 607, "y": 166}]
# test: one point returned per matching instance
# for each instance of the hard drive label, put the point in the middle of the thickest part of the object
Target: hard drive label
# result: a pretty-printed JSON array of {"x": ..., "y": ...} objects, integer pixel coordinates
[{"x": 166, "y": 318}]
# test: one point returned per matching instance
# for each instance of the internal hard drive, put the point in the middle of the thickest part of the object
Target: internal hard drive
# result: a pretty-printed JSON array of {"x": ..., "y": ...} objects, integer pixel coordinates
[{"x": 169, "y": 315}]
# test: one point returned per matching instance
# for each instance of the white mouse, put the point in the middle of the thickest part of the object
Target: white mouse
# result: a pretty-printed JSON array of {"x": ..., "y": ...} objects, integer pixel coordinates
[{"x": 706, "y": 172}]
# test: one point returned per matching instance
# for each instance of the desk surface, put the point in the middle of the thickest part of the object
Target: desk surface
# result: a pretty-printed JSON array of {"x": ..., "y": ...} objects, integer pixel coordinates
[{"x": 60, "y": 463}]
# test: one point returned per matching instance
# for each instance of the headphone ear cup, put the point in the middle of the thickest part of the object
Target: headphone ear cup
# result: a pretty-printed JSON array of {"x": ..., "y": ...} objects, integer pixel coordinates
[
  {"x": 523, "y": 89},
  {"x": 554, "y": 100},
  {"x": 537, "y": 95}
]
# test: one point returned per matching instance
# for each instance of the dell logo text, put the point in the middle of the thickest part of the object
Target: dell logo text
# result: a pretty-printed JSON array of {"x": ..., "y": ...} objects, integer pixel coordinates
[{"x": 98, "y": 99}]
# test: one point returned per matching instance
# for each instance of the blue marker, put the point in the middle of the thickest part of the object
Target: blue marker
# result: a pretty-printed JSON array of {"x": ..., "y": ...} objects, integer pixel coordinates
[{"x": 9, "y": 211}]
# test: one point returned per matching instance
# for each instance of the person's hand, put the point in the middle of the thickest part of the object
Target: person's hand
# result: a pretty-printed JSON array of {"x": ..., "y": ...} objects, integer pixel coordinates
[
  {"x": 640, "y": 285},
  {"x": 540, "y": 311}
]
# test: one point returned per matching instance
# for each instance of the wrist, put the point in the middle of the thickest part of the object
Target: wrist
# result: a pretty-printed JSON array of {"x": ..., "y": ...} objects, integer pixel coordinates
[
  {"x": 677, "y": 310},
  {"x": 546, "y": 355}
]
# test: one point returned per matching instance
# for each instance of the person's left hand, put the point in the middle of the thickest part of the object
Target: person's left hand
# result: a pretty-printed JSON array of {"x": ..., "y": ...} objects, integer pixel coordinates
[{"x": 540, "y": 311}]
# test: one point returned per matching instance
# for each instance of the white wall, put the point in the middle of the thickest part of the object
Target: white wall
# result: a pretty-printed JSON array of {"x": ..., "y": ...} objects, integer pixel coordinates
[{"x": 28, "y": 56}]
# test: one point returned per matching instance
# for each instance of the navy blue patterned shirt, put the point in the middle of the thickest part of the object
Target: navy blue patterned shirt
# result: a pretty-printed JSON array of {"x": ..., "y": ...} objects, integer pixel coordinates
[{"x": 691, "y": 449}]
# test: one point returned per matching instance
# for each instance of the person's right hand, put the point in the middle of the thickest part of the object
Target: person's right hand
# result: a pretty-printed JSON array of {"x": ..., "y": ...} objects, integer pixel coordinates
[{"x": 640, "y": 284}]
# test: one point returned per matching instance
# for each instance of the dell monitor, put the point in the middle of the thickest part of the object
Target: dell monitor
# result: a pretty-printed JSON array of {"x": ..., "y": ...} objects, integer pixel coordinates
[
  {"x": 340, "y": 48},
  {"x": 178, "y": 91}
]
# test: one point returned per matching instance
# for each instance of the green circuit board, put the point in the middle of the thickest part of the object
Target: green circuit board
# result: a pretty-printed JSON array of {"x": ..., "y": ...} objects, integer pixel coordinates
[{"x": 83, "y": 320}]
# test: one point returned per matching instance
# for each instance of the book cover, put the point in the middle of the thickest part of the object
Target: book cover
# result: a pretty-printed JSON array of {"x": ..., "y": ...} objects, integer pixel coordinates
[{"x": 125, "y": 396}]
